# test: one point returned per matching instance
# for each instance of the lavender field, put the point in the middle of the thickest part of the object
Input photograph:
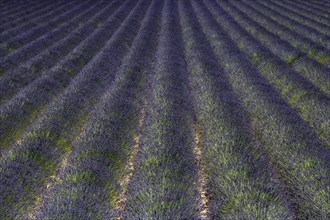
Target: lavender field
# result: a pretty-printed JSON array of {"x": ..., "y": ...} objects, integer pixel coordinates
[{"x": 165, "y": 109}]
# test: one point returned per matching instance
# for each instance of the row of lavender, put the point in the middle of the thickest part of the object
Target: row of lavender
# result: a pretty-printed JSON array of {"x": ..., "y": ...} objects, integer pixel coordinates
[
  {"x": 16, "y": 37},
  {"x": 110, "y": 128},
  {"x": 23, "y": 12},
  {"x": 37, "y": 89},
  {"x": 278, "y": 127},
  {"x": 11, "y": 83},
  {"x": 294, "y": 86},
  {"x": 38, "y": 56},
  {"x": 48, "y": 139}
]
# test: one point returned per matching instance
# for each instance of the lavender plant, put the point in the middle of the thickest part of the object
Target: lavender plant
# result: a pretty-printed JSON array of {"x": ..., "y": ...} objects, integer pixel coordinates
[
  {"x": 50, "y": 137},
  {"x": 102, "y": 151},
  {"x": 240, "y": 182},
  {"x": 311, "y": 103},
  {"x": 309, "y": 68},
  {"x": 21, "y": 75},
  {"x": 274, "y": 122},
  {"x": 22, "y": 109},
  {"x": 306, "y": 20},
  {"x": 163, "y": 185},
  {"x": 308, "y": 32},
  {"x": 20, "y": 38}
]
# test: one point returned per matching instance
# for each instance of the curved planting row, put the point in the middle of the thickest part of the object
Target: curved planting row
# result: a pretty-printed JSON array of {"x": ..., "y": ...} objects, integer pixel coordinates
[
  {"x": 320, "y": 3},
  {"x": 300, "y": 62},
  {"x": 305, "y": 31},
  {"x": 303, "y": 20},
  {"x": 6, "y": 3},
  {"x": 24, "y": 73},
  {"x": 17, "y": 113},
  {"x": 11, "y": 44},
  {"x": 40, "y": 44},
  {"x": 240, "y": 184},
  {"x": 306, "y": 11},
  {"x": 36, "y": 21},
  {"x": 24, "y": 107},
  {"x": 99, "y": 157},
  {"x": 324, "y": 3},
  {"x": 13, "y": 7},
  {"x": 317, "y": 9},
  {"x": 310, "y": 102},
  {"x": 306, "y": 20},
  {"x": 29, "y": 20},
  {"x": 163, "y": 185},
  {"x": 11, "y": 19},
  {"x": 300, "y": 160},
  {"x": 10, "y": 7},
  {"x": 321, "y": 54},
  {"x": 49, "y": 138},
  {"x": 33, "y": 98}
]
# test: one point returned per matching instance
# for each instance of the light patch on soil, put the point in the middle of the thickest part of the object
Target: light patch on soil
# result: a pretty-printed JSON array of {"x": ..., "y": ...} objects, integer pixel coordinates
[
  {"x": 121, "y": 205},
  {"x": 202, "y": 177}
]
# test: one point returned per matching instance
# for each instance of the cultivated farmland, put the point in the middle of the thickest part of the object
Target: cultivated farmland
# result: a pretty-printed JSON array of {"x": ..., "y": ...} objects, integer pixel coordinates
[{"x": 165, "y": 109}]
